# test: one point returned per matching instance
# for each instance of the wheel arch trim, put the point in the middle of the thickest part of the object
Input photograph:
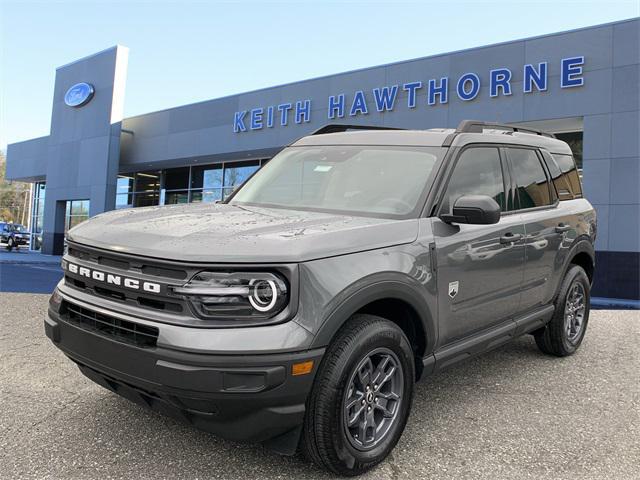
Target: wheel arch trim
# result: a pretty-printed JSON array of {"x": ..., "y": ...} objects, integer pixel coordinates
[
  {"x": 380, "y": 289},
  {"x": 581, "y": 244}
]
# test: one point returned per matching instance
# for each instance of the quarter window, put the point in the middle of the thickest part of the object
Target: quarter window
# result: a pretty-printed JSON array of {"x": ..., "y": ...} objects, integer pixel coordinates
[
  {"x": 477, "y": 172},
  {"x": 531, "y": 180},
  {"x": 570, "y": 173}
]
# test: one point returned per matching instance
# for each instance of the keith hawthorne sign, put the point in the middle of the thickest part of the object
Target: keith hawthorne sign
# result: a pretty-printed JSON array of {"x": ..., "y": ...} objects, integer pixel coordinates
[{"x": 435, "y": 91}]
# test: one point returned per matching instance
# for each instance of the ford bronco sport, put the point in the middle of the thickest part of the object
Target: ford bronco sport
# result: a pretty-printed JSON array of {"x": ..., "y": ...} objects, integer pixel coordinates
[{"x": 300, "y": 312}]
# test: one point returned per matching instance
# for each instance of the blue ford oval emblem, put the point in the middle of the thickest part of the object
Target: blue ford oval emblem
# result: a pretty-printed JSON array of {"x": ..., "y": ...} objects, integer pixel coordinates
[{"x": 79, "y": 94}]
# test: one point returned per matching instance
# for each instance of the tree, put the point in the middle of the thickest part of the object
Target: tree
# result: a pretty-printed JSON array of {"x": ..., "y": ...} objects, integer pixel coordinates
[{"x": 14, "y": 197}]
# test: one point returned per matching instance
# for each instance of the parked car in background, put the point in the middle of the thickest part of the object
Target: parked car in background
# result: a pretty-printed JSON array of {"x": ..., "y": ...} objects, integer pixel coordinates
[{"x": 13, "y": 235}]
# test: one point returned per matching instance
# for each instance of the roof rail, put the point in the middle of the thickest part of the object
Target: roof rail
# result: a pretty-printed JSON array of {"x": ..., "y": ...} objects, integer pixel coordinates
[
  {"x": 478, "y": 126},
  {"x": 475, "y": 126},
  {"x": 337, "y": 127}
]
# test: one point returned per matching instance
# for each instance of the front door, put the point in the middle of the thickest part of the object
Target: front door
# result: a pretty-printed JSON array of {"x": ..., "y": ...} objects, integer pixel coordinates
[{"x": 479, "y": 267}]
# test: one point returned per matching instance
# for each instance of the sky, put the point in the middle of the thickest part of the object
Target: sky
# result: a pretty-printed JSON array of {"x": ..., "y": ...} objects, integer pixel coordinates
[{"x": 183, "y": 52}]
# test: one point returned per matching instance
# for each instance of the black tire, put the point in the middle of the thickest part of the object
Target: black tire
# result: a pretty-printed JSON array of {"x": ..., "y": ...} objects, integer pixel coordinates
[
  {"x": 326, "y": 439},
  {"x": 10, "y": 244},
  {"x": 558, "y": 337}
]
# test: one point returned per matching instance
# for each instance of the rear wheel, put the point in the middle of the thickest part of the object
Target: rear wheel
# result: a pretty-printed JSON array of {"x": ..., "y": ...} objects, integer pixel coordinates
[
  {"x": 564, "y": 333},
  {"x": 361, "y": 397}
]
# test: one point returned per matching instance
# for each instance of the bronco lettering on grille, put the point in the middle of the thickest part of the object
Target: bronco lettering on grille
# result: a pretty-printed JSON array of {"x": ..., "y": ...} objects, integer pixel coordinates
[{"x": 111, "y": 279}]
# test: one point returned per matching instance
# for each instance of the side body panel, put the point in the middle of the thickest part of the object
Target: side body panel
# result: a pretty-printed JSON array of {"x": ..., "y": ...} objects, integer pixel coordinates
[
  {"x": 486, "y": 274},
  {"x": 547, "y": 244},
  {"x": 580, "y": 216}
]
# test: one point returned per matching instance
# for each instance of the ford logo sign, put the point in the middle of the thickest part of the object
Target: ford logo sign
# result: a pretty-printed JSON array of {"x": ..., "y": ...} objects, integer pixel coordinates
[{"x": 79, "y": 94}]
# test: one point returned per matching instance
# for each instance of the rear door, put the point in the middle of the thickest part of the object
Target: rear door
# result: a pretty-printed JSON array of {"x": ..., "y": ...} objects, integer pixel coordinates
[
  {"x": 479, "y": 267},
  {"x": 547, "y": 226}
]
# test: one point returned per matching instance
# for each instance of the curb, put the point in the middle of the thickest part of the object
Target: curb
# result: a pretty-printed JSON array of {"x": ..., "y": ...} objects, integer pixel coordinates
[
  {"x": 20, "y": 262},
  {"x": 615, "y": 303}
]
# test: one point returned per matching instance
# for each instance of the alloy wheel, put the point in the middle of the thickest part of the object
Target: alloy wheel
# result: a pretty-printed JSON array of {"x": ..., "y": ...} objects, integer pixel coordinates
[
  {"x": 373, "y": 398},
  {"x": 574, "y": 311}
]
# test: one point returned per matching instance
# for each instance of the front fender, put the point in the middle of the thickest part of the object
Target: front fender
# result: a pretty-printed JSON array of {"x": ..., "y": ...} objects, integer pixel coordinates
[{"x": 388, "y": 285}]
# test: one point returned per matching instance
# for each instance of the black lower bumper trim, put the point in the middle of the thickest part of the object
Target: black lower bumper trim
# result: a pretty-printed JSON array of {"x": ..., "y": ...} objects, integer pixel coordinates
[{"x": 239, "y": 397}]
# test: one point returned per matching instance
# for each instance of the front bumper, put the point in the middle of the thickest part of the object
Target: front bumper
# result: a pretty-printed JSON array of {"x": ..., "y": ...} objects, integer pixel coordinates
[{"x": 239, "y": 397}]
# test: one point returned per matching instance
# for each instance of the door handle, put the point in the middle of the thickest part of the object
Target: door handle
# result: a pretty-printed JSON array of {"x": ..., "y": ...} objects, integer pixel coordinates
[
  {"x": 510, "y": 238},
  {"x": 563, "y": 227}
]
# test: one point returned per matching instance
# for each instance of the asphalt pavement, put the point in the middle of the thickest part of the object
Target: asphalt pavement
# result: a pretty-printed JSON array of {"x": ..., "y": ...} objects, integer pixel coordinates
[
  {"x": 29, "y": 272},
  {"x": 511, "y": 414}
]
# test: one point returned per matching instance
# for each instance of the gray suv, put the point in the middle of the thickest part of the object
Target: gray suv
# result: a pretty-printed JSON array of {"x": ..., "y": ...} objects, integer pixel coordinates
[{"x": 300, "y": 312}]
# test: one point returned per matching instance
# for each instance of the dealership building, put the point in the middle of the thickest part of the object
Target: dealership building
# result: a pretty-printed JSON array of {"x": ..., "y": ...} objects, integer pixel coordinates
[{"x": 582, "y": 85}]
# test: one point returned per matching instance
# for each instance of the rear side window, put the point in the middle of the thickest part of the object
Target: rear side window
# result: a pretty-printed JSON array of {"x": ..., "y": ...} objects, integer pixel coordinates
[
  {"x": 530, "y": 177},
  {"x": 477, "y": 172},
  {"x": 570, "y": 174}
]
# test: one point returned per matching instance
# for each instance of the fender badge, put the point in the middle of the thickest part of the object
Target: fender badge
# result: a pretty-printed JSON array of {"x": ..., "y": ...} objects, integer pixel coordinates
[{"x": 453, "y": 288}]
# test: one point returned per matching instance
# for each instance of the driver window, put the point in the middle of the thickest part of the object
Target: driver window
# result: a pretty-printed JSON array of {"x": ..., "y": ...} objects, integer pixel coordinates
[{"x": 478, "y": 172}]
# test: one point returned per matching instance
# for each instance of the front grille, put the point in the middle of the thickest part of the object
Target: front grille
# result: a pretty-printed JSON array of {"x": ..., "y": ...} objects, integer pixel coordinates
[
  {"x": 147, "y": 267},
  {"x": 127, "y": 265},
  {"x": 117, "y": 329}
]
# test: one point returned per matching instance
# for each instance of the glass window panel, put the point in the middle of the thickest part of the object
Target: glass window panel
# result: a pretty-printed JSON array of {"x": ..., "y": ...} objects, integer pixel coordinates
[
  {"x": 374, "y": 180},
  {"x": 570, "y": 173},
  {"x": 227, "y": 192},
  {"x": 176, "y": 178},
  {"x": 196, "y": 196},
  {"x": 237, "y": 173},
  {"x": 558, "y": 179},
  {"x": 574, "y": 139},
  {"x": 125, "y": 184},
  {"x": 477, "y": 172},
  {"x": 146, "y": 199},
  {"x": 80, "y": 207},
  {"x": 172, "y": 198},
  {"x": 76, "y": 220},
  {"x": 124, "y": 200},
  {"x": 206, "y": 196},
  {"x": 147, "y": 181},
  {"x": 40, "y": 206},
  {"x": 76, "y": 212},
  {"x": 531, "y": 180},
  {"x": 206, "y": 176}
]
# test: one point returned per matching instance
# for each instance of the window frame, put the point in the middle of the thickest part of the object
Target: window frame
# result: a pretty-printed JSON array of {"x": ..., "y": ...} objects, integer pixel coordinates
[
  {"x": 444, "y": 185},
  {"x": 552, "y": 193}
]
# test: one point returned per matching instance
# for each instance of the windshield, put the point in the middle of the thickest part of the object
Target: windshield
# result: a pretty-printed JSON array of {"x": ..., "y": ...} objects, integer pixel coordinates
[
  {"x": 19, "y": 228},
  {"x": 367, "y": 180}
]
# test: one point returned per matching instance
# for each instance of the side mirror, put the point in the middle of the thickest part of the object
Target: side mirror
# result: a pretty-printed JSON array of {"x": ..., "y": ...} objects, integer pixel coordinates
[{"x": 474, "y": 209}]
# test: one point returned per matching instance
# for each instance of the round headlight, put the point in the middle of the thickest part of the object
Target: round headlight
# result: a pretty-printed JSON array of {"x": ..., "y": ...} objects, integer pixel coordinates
[
  {"x": 264, "y": 295},
  {"x": 226, "y": 295}
]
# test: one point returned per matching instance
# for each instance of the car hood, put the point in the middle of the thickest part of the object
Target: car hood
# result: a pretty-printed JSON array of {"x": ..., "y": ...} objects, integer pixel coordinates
[{"x": 232, "y": 233}]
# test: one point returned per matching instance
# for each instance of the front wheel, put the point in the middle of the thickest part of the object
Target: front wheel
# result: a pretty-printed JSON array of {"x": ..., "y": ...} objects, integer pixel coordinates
[
  {"x": 361, "y": 397},
  {"x": 10, "y": 244},
  {"x": 564, "y": 333}
]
